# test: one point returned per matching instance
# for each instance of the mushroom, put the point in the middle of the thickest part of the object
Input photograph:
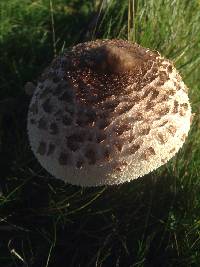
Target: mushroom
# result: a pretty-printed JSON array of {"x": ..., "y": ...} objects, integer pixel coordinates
[{"x": 107, "y": 112}]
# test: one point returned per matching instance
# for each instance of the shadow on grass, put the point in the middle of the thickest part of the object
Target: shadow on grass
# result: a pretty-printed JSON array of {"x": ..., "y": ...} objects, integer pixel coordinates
[
  {"x": 128, "y": 223},
  {"x": 45, "y": 221}
]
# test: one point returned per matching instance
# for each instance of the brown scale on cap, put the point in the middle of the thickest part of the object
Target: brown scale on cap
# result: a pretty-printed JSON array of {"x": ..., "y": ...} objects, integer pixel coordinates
[
  {"x": 47, "y": 106},
  {"x": 162, "y": 138},
  {"x": 51, "y": 149},
  {"x": 63, "y": 158},
  {"x": 106, "y": 154},
  {"x": 111, "y": 112},
  {"x": 150, "y": 105},
  {"x": 163, "y": 77},
  {"x": 163, "y": 123},
  {"x": 172, "y": 129},
  {"x": 67, "y": 119},
  {"x": 176, "y": 105},
  {"x": 183, "y": 137},
  {"x": 53, "y": 128},
  {"x": 145, "y": 130},
  {"x": 85, "y": 116},
  {"x": 183, "y": 109},
  {"x": 42, "y": 148},
  {"x": 138, "y": 116},
  {"x": 124, "y": 108},
  {"x": 163, "y": 110},
  {"x": 134, "y": 148},
  {"x": 149, "y": 152},
  {"x": 42, "y": 123},
  {"x": 32, "y": 121},
  {"x": 172, "y": 150},
  {"x": 154, "y": 94},
  {"x": 171, "y": 92},
  {"x": 147, "y": 92},
  {"x": 73, "y": 142},
  {"x": 164, "y": 160},
  {"x": 80, "y": 163},
  {"x": 120, "y": 166},
  {"x": 182, "y": 112},
  {"x": 185, "y": 106},
  {"x": 169, "y": 68},
  {"x": 119, "y": 146},
  {"x": 90, "y": 154},
  {"x": 120, "y": 129},
  {"x": 163, "y": 98}
]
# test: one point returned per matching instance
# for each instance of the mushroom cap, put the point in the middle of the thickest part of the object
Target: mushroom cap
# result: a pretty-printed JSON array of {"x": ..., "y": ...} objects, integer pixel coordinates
[{"x": 107, "y": 112}]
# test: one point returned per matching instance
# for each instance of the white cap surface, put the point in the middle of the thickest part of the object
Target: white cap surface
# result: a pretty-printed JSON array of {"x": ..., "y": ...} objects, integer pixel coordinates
[{"x": 107, "y": 112}]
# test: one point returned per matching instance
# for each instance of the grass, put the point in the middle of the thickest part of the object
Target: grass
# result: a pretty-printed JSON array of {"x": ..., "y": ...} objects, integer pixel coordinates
[{"x": 153, "y": 221}]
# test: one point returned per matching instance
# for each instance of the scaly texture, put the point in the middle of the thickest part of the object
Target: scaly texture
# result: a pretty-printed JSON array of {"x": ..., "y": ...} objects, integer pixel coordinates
[{"x": 107, "y": 112}]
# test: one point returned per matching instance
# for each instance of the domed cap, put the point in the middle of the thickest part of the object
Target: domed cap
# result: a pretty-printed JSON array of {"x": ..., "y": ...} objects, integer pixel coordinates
[{"x": 107, "y": 112}]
